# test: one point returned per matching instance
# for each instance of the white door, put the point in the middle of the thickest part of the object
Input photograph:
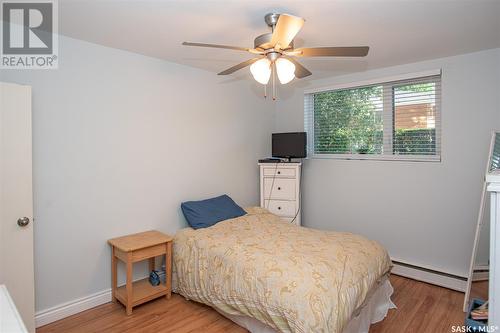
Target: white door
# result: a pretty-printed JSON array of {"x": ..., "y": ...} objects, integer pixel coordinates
[{"x": 16, "y": 199}]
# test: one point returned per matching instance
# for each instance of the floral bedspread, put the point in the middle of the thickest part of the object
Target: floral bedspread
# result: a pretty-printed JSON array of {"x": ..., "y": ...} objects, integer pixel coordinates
[{"x": 291, "y": 278}]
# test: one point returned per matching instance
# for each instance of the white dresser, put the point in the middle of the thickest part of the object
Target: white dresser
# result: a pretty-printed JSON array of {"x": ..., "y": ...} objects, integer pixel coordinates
[{"x": 280, "y": 189}]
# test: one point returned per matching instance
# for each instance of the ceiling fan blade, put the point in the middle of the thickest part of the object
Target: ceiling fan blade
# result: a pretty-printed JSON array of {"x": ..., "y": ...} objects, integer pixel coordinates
[
  {"x": 238, "y": 67},
  {"x": 352, "y": 51},
  {"x": 286, "y": 29},
  {"x": 218, "y": 46},
  {"x": 300, "y": 71}
]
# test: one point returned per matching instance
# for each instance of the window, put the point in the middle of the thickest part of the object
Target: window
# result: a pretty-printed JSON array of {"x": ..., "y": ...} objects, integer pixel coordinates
[{"x": 397, "y": 119}]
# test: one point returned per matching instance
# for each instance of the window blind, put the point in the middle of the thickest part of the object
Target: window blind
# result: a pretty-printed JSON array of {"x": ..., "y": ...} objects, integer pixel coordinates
[{"x": 389, "y": 120}]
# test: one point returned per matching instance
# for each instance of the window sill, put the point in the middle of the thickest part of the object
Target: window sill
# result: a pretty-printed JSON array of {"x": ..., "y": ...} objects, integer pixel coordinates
[{"x": 402, "y": 158}]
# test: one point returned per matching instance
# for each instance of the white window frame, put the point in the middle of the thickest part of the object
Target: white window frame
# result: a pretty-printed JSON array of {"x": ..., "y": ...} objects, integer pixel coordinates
[{"x": 387, "y": 83}]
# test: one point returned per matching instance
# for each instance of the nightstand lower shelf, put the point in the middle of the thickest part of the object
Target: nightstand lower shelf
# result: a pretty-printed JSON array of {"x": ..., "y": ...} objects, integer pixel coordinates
[{"x": 142, "y": 291}]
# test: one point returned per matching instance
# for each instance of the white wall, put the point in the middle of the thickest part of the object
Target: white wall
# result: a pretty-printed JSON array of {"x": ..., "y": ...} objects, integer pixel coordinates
[
  {"x": 424, "y": 213},
  {"x": 119, "y": 141}
]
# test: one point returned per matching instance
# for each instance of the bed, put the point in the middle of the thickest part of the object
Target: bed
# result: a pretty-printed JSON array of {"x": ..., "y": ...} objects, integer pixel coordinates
[{"x": 269, "y": 275}]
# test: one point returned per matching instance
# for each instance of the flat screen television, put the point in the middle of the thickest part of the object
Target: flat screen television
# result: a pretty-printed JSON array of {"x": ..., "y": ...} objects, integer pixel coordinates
[{"x": 289, "y": 145}]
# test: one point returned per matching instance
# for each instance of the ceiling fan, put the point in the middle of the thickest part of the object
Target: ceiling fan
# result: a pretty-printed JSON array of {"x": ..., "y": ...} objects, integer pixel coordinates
[{"x": 275, "y": 52}]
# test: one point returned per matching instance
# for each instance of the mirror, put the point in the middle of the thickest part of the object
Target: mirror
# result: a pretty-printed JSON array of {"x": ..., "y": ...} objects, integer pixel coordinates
[{"x": 477, "y": 281}]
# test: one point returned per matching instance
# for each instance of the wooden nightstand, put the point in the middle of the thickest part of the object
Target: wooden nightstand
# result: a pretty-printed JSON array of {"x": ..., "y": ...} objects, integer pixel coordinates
[{"x": 134, "y": 248}]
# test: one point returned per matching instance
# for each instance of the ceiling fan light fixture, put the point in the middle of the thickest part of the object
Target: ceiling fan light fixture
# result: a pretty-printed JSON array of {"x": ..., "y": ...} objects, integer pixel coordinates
[
  {"x": 275, "y": 53},
  {"x": 261, "y": 70},
  {"x": 285, "y": 70}
]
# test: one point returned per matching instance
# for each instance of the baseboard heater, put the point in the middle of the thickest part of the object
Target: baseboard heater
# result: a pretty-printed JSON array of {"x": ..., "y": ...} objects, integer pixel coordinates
[{"x": 428, "y": 275}]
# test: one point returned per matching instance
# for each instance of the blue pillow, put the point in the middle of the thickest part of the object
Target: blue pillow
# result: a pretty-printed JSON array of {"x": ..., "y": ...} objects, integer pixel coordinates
[{"x": 206, "y": 213}]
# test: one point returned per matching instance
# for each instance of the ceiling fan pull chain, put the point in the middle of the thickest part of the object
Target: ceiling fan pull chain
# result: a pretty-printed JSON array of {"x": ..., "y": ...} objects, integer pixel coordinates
[{"x": 265, "y": 91}]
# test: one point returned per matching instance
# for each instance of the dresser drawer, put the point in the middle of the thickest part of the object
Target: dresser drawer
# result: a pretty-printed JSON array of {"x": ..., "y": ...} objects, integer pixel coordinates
[
  {"x": 282, "y": 188},
  {"x": 281, "y": 207},
  {"x": 279, "y": 172}
]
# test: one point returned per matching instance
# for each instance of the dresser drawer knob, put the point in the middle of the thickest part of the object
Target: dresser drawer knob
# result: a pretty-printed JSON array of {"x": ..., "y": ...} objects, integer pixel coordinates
[
  {"x": 279, "y": 188},
  {"x": 279, "y": 208},
  {"x": 279, "y": 172}
]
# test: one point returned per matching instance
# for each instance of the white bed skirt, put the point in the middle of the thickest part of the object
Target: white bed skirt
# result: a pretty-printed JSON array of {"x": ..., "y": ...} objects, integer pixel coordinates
[{"x": 374, "y": 311}]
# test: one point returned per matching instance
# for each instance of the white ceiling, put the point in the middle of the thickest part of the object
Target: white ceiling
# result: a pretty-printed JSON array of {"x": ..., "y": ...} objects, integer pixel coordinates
[{"x": 397, "y": 31}]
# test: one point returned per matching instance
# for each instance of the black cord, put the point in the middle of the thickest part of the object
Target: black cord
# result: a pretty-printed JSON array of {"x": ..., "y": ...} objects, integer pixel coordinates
[{"x": 300, "y": 194}]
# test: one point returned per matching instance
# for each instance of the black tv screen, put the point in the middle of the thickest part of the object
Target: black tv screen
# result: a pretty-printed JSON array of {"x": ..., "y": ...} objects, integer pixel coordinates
[{"x": 289, "y": 145}]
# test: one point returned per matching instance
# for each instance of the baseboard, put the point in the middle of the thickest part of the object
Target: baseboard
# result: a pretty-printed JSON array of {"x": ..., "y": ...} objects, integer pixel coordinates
[
  {"x": 483, "y": 267},
  {"x": 73, "y": 307},
  {"x": 481, "y": 273},
  {"x": 70, "y": 308},
  {"x": 446, "y": 280}
]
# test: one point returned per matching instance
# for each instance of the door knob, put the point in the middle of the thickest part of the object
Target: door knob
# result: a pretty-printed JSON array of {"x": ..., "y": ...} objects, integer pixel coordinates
[{"x": 23, "y": 221}]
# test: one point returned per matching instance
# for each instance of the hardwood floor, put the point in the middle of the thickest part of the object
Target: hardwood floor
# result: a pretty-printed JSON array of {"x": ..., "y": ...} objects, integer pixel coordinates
[{"x": 421, "y": 308}]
